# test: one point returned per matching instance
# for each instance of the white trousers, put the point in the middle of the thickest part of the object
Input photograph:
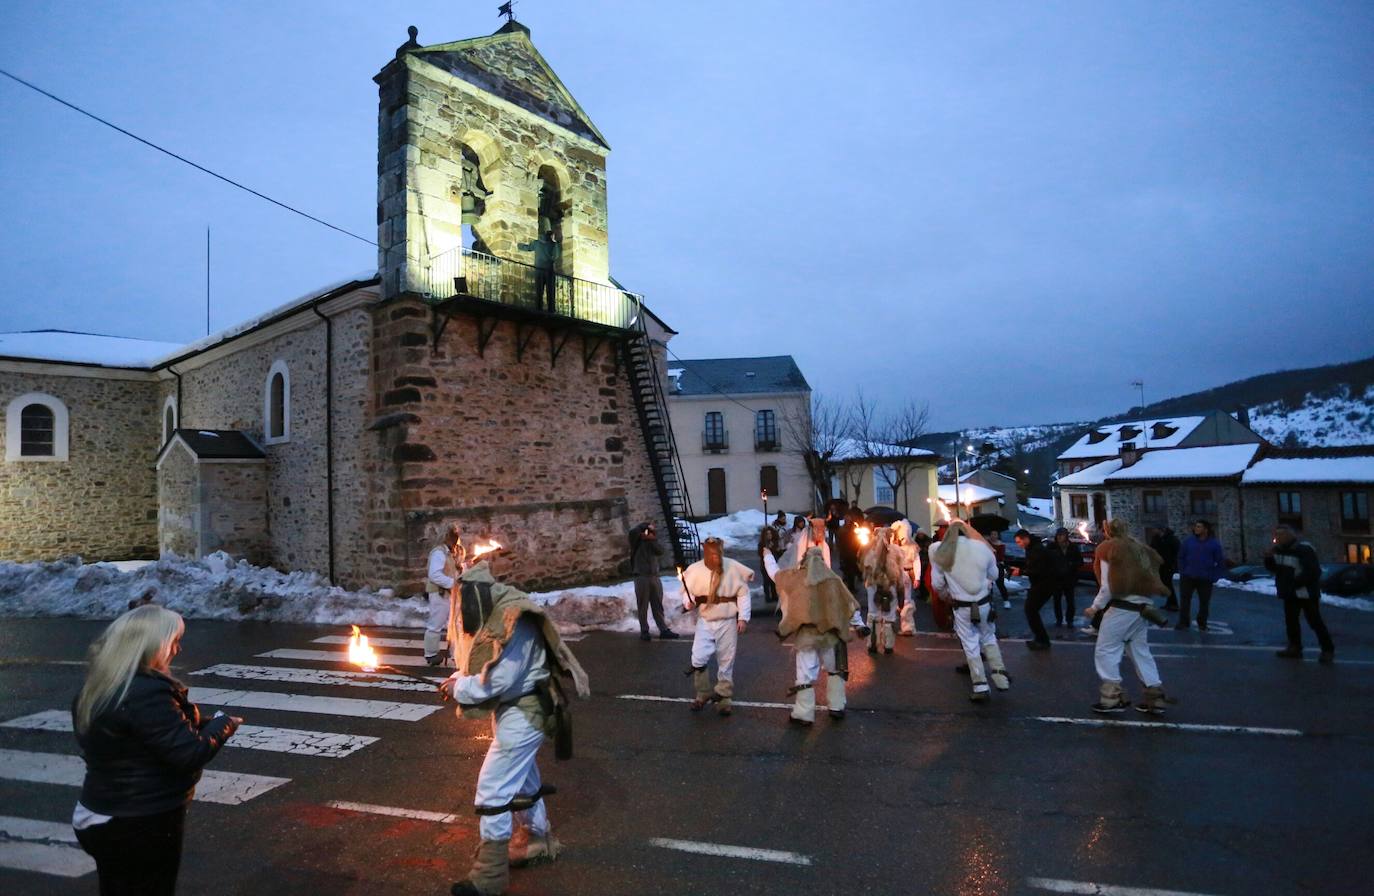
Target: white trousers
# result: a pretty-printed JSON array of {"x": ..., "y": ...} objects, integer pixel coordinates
[
  {"x": 1121, "y": 629},
  {"x": 718, "y": 638},
  {"x": 973, "y": 637},
  {"x": 510, "y": 771},
  {"x": 907, "y": 593},
  {"x": 437, "y": 623},
  {"x": 810, "y": 662},
  {"x": 890, "y": 614}
]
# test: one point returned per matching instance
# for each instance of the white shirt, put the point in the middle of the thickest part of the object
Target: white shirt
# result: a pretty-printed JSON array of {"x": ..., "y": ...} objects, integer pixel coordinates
[
  {"x": 438, "y": 559},
  {"x": 951, "y": 586},
  {"x": 734, "y": 582},
  {"x": 517, "y": 671}
]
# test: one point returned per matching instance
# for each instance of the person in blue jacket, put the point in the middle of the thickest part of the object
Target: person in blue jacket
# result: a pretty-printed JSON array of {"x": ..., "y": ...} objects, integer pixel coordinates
[{"x": 1201, "y": 561}]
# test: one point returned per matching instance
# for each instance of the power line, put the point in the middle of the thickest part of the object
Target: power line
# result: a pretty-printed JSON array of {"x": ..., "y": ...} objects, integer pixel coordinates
[
  {"x": 713, "y": 386},
  {"x": 179, "y": 158}
]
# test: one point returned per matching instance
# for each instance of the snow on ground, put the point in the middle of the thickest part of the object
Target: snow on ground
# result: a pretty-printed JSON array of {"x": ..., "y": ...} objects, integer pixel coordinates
[
  {"x": 1267, "y": 586},
  {"x": 739, "y": 530},
  {"x": 1340, "y": 418},
  {"x": 217, "y": 587}
]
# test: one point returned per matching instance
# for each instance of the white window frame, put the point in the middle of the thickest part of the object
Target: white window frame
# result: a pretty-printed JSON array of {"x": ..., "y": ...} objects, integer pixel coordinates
[
  {"x": 14, "y": 430},
  {"x": 881, "y": 487},
  {"x": 169, "y": 404},
  {"x": 278, "y": 367}
]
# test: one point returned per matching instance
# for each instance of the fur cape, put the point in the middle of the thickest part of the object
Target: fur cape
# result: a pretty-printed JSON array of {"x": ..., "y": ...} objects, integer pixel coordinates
[
  {"x": 508, "y": 605},
  {"x": 1132, "y": 568},
  {"x": 813, "y": 595},
  {"x": 963, "y": 559}
]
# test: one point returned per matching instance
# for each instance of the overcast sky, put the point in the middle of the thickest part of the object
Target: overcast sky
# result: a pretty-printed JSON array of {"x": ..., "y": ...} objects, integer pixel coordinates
[{"x": 1058, "y": 198}]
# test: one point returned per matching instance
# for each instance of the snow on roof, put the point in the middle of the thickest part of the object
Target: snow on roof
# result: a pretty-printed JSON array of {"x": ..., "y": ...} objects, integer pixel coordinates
[
  {"x": 1040, "y": 507},
  {"x": 968, "y": 494},
  {"x": 1094, "y": 475},
  {"x": 1310, "y": 469},
  {"x": 739, "y": 376},
  {"x": 83, "y": 348},
  {"x": 853, "y": 449},
  {"x": 1210, "y": 462},
  {"x": 1105, "y": 441},
  {"x": 66, "y": 346}
]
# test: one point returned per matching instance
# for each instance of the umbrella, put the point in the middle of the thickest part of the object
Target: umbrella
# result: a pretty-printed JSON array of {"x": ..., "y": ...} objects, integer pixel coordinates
[
  {"x": 883, "y": 516},
  {"x": 990, "y": 522}
]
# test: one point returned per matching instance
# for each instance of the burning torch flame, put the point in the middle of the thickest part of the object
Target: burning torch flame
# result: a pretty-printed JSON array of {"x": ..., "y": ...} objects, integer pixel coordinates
[
  {"x": 1083, "y": 530},
  {"x": 944, "y": 509},
  {"x": 862, "y": 534},
  {"x": 487, "y": 548},
  {"x": 360, "y": 653}
]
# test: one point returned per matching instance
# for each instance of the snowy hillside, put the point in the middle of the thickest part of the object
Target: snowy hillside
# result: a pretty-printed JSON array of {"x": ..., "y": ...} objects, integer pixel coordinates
[{"x": 1338, "y": 418}]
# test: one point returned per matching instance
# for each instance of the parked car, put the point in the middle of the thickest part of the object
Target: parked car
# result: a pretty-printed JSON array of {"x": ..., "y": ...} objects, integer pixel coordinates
[
  {"x": 1347, "y": 579},
  {"x": 1248, "y": 572},
  {"x": 1086, "y": 551}
]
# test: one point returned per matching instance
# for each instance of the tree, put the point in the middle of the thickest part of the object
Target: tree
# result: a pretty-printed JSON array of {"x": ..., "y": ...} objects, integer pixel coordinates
[
  {"x": 816, "y": 432},
  {"x": 887, "y": 438}
]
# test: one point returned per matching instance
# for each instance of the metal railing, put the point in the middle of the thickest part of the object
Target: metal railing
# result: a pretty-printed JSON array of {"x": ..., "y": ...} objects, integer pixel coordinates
[
  {"x": 467, "y": 272},
  {"x": 718, "y": 440}
]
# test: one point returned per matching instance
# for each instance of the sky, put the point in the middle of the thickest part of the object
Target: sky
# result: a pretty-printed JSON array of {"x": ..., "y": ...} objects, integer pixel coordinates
[{"x": 1011, "y": 211}]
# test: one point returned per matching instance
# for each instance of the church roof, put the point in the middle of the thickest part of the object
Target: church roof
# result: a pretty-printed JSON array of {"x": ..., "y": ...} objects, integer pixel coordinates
[
  {"x": 506, "y": 64},
  {"x": 215, "y": 444},
  {"x": 74, "y": 347}
]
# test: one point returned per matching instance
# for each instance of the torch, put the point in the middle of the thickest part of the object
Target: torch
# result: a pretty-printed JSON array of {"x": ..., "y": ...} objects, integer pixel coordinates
[
  {"x": 862, "y": 533},
  {"x": 361, "y": 654}
]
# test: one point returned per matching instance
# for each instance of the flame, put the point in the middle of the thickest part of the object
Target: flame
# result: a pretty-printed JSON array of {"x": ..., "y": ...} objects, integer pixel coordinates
[
  {"x": 479, "y": 550},
  {"x": 1083, "y": 530},
  {"x": 360, "y": 653},
  {"x": 862, "y": 534},
  {"x": 944, "y": 509}
]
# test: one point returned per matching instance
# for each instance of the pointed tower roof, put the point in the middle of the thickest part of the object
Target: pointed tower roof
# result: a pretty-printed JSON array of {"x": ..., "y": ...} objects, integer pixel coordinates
[{"x": 506, "y": 64}]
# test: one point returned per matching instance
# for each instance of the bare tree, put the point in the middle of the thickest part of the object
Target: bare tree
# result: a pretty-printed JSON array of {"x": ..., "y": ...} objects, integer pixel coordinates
[
  {"x": 816, "y": 433},
  {"x": 889, "y": 438}
]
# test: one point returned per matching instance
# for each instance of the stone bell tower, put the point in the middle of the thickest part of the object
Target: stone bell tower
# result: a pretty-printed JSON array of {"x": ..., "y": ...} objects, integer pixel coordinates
[{"x": 482, "y": 132}]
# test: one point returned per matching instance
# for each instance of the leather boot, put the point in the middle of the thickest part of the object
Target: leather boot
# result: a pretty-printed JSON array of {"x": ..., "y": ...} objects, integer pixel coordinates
[
  {"x": 874, "y": 635},
  {"x": 724, "y": 691},
  {"x": 834, "y": 696},
  {"x": 490, "y": 874},
  {"x": 804, "y": 706},
  {"x": 533, "y": 849},
  {"x": 1154, "y": 701},
  {"x": 997, "y": 670},
  {"x": 701, "y": 684},
  {"x": 1111, "y": 698}
]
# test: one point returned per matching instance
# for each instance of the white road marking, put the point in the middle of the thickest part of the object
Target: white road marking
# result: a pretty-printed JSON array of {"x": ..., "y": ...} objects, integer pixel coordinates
[
  {"x": 369, "y": 808},
  {"x": 1173, "y": 726},
  {"x": 229, "y": 788},
  {"x": 732, "y": 852},
  {"x": 322, "y": 677},
  {"x": 656, "y": 699},
  {"x": 337, "y": 656},
  {"x": 247, "y": 737},
  {"x": 1091, "y": 889},
  {"x": 411, "y": 643},
  {"x": 45, "y": 847},
  {"x": 328, "y": 706}
]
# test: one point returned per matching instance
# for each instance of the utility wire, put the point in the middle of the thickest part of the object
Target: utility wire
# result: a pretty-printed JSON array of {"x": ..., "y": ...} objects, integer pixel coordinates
[
  {"x": 713, "y": 386},
  {"x": 179, "y": 158}
]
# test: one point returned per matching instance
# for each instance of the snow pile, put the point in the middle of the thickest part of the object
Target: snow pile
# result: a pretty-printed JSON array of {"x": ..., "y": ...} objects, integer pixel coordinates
[
  {"x": 1338, "y": 418},
  {"x": 739, "y": 530},
  {"x": 1267, "y": 586},
  {"x": 218, "y": 587}
]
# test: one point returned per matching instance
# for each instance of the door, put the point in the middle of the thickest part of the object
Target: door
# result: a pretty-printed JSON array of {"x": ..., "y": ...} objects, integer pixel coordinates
[
  {"x": 1099, "y": 508},
  {"x": 715, "y": 490}
]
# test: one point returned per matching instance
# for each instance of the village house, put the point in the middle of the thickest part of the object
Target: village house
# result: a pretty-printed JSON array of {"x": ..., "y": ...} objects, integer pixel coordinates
[
  {"x": 980, "y": 493},
  {"x": 1325, "y": 495},
  {"x": 731, "y": 426},
  {"x": 895, "y": 476},
  {"x": 490, "y": 372}
]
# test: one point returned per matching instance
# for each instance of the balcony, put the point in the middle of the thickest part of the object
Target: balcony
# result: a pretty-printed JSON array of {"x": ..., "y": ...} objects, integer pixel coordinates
[
  {"x": 766, "y": 443},
  {"x": 715, "y": 442},
  {"x": 466, "y": 274}
]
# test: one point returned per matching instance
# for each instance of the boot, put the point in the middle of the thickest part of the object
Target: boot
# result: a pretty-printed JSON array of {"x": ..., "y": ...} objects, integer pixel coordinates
[
  {"x": 835, "y": 696},
  {"x": 979, "y": 677},
  {"x": 1291, "y": 652},
  {"x": 804, "y": 706},
  {"x": 1153, "y": 702},
  {"x": 724, "y": 691},
  {"x": 701, "y": 684},
  {"x": 873, "y": 636},
  {"x": 909, "y": 618},
  {"x": 533, "y": 849},
  {"x": 889, "y": 638},
  {"x": 490, "y": 874},
  {"x": 1111, "y": 698},
  {"x": 997, "y": 671}
]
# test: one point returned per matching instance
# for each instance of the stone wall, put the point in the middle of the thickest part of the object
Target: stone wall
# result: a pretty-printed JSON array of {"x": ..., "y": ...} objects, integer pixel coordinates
[
  {"x": 234, "y": 509},
  {"x": 1127, "y": 502},
  {"x": 546, "y": 458},
  {"x": 101, "y": 503},
  {"x": 1321, "y": 519},
  {"x": 178, "y": 489}
]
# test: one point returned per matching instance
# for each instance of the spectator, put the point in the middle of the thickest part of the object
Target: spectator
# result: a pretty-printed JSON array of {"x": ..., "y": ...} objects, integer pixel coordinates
[
  {"x": 850, "y": 551},
  {"x": 1063, "y": 560},
  {"x": 1037, "y": 570},
  {"x": 1201, "y": 561},
  {"x": 1165, "y": 544},
  {"x": 768, "y": 543},
  {"x": 145, "y": 744},
  {"x": 1297, "y": 579},
  {"x": 999, "y": 550},
  {"x": 646, "y": 557}
]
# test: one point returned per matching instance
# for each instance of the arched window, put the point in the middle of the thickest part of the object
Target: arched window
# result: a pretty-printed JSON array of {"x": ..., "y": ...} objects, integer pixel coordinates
[
  {"x": 36, "y": 428},
  {"x": 276, "y": 412},
  {"x": 169, "y": 418}
]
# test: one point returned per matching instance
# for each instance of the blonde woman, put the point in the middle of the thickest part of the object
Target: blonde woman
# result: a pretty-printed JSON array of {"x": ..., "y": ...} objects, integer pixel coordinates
[{"x": 144, "y": 744}]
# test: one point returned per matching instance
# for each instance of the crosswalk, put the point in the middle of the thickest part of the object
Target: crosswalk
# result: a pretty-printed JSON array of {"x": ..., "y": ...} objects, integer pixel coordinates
[{"x": 49, "y": 846}]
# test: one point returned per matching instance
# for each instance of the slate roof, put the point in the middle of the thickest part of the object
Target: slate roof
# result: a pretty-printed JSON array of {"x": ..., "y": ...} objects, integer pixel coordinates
[
  {"x": 216, "y": 444},
  {"x": 737, "y": 376},
  {"x": 1106, "y": 441}
]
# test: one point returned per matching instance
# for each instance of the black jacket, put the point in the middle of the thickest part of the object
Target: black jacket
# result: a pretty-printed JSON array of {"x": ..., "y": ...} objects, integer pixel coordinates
[
  {"x": 1062, "y": 566},
  {"x": 1166, "y": 545},
  {"x": 1039, "y": 566},
  {"x": 1296, "y": 567},
  {"x": 144, "y": 756}
]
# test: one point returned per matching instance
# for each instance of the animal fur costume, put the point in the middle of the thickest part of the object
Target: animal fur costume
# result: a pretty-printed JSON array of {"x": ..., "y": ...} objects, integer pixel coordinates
[
  {"x": 965, "y": 566},
  {"x": 817, "y": 613},
  {"x": 909, "y": 560},
  {"x": 1124, "y": 600},
  {"x": 882, "y": 570},
  {"x": 1132, "y": 567}
]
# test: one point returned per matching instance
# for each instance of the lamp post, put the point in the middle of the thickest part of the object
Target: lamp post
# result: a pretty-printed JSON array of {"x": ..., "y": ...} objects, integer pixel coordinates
[{"x": 763, "y": 494}]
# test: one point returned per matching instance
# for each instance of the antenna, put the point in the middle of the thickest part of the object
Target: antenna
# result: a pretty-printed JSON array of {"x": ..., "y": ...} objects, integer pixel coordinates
[{"x": 207, "y": 279}]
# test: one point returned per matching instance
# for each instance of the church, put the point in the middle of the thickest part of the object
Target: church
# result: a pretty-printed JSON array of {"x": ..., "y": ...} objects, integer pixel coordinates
[{"x": 491, "y": 372}]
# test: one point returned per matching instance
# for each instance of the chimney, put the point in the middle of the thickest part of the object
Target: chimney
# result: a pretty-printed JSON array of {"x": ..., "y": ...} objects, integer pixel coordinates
[
  {"x": 1129, "y": 454},
  {"x": 1243, "y": 416}
]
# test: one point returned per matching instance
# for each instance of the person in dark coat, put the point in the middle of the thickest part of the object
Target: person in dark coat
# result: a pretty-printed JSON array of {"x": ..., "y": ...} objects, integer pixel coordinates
[
  {"x": 768, "y": 544},
  {"x": 1297, "y": 579},
  {"x": 1062, "y": 563},
  {"x": 849, "y": 550},
  {"x": 1037, "y": 569},
  {"x": 1166, "y": 545},
  {"x": 1201, "y": 561},
  {"x": 144, "y": 743},
  {"x": 547, "y": 252},
  {"x": 646, "y": 557}
]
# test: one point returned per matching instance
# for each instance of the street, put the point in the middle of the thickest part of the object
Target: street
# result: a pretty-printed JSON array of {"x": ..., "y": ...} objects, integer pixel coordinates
[{"x": 1257, "y": 781}]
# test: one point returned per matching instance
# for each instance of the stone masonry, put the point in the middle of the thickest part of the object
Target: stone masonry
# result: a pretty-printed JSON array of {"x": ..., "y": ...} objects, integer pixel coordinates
[{"x": 1127, "y": 502}]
